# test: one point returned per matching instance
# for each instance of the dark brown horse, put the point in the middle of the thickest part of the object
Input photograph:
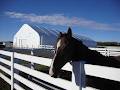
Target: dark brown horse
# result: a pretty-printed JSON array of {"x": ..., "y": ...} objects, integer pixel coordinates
[{"x": 70, "y": 49}]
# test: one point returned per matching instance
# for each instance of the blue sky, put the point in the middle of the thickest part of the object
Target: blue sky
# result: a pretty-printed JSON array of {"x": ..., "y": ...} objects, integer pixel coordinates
[{"x": 97, "y": 19}]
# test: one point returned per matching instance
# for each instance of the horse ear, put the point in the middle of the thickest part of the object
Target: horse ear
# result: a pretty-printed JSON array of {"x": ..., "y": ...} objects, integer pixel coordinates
[
  {"x": 69, "y": 32},
  {"x": 60, "y": 34}
]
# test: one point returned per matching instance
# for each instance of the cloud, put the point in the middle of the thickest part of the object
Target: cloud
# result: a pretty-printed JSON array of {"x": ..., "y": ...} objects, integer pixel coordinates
[{"x": 61, "y": 19}]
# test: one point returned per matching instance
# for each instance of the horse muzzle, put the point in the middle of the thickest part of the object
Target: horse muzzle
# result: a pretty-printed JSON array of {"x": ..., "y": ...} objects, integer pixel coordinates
[{"x": 52, "y": 74}]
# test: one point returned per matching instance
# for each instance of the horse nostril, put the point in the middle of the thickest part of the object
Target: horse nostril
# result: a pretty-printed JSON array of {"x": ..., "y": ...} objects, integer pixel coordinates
[
  {"x": 50, "y": 71},
  {"x": 51, "y": 74}
]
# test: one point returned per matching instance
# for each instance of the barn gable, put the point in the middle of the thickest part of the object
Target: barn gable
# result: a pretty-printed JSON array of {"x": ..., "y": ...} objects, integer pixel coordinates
[{"x": 26, "y": 37}]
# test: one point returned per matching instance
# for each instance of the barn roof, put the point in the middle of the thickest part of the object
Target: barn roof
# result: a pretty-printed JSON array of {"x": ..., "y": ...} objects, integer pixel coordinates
[{"x": 54, "y": 33}]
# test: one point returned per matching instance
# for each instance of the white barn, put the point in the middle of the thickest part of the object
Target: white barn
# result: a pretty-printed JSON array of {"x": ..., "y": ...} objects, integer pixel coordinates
[{"x": 38, "y": 37}]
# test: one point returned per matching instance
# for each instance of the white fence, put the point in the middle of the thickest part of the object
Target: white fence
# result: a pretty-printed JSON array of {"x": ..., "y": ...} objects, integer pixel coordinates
[
  {"x": 92, "y": 70},
  {"x": 39, "y": 47}
]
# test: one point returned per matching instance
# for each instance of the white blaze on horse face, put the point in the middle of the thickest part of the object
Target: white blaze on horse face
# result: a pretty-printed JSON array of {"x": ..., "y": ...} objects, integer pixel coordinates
[
  {"x": 51, "y": 67},
  {"x": 58, "y": 44}
]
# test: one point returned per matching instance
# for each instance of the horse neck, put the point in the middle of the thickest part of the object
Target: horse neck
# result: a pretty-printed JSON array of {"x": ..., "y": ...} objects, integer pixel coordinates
[
  {"x": 83, "y": 52},
  {"x": 90, "y": 55},
  {"x": 95, "y": 58}
]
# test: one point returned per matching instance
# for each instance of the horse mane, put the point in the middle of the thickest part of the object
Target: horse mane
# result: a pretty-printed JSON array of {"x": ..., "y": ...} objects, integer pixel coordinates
[{"x": 94, "y": 57}]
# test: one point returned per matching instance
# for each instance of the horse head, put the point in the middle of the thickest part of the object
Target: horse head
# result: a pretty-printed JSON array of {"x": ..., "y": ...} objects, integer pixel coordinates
[{"x": 66, "y": 51}]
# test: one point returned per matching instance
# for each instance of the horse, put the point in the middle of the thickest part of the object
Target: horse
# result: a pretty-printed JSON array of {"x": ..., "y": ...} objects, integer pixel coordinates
[{"x": 70, "y": 49}]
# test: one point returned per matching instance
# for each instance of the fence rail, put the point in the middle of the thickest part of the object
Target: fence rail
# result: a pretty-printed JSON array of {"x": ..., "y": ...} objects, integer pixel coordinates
[
  {"x": 39, "y": 47},
  {"x": 92, "y": 70}
]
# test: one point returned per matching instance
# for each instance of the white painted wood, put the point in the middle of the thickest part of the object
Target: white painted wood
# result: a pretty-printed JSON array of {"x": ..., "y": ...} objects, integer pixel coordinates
[
  {"x": 34, "y": 59},
  {"x": 114, "y": 49},
  {"x": 103, "y": 53},
  {"x": 39, "y": 60},
  {"x": 53, "y": 88},
  {"x": 98, "y": 49},
  {"x": 28, "y": 83},
  {"x": 32, "y": 64},
  {"x": 7, "y": 53},
  {"x": 67, "y": 67},
  {"x": 58, "y": 82},
  {"x": 5, "y": 78},
  {"x": 103, "y": 72},
  {"x": 114, "y": 53},
  {"x": 92, "y": 70},
  {"x": 12, "y": 71},
  {"x": 90, "y": 88},
  {"x": 17, "y": 87},
  {"x": 5, "y": 70},
  {"x": 108, "y": 51},
  {"x": 5, "y": 61}
]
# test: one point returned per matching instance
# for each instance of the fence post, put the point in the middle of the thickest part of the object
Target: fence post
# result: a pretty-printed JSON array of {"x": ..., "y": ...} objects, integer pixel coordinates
[
  {"x": 12, "y": 71},
  {"x": 108, "y": 52},
  {"x": 78, "y": 74},
  {"x": 32, "y": 64}
]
